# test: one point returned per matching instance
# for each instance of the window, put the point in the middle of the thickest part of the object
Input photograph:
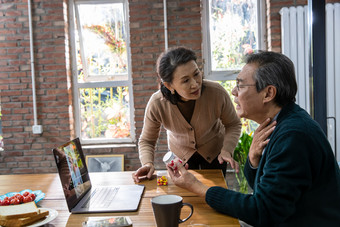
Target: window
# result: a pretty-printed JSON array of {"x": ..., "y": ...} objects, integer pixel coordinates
[
  {"x": 101, "y": 71},
  {"x": 232, "y": 29}
]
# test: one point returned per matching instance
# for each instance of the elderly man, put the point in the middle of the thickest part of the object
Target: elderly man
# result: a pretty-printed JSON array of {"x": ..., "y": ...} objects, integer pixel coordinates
[{"x": 291, "y": 166}]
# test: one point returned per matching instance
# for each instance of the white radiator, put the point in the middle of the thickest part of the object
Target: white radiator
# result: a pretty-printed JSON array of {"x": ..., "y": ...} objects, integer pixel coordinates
[{"x": 294, "y": 31}]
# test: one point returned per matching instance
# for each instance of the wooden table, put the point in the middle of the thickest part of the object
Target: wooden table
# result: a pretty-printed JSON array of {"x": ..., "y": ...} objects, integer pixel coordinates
[{"x": 54, "y": 197}]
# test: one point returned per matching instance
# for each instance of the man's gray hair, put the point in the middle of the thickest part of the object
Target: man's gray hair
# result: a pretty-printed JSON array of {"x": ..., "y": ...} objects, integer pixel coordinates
[{"x": 275, "y": 69}]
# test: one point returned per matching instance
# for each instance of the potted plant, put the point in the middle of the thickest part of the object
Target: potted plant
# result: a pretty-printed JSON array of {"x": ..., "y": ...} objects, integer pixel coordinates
[{"x": 240, "y": 155}]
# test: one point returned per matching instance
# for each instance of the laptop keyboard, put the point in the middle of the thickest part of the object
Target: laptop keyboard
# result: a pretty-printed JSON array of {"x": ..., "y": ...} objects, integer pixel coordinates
[{"x": 101, "y": 197}]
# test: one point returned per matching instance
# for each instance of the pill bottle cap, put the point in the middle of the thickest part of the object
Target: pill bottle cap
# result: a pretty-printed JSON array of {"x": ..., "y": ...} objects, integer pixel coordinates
[
  {"x": 168, "y": 157},
  {"x": 162, "y": 173}
]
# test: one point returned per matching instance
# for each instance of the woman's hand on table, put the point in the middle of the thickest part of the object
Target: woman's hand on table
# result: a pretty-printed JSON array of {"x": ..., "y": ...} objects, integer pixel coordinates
[
  {"x": 184, "y": 179},
  {"x": 143, "y": 172},
  {"x": 226, "y": 157}
]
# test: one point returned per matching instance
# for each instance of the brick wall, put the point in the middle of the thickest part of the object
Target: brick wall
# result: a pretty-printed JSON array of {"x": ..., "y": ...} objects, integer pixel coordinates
[{"x": 25, "y": 152}]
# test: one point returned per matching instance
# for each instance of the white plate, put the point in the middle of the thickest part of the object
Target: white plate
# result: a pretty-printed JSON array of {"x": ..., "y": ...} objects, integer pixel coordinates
[{"x": 50, "y": 217}]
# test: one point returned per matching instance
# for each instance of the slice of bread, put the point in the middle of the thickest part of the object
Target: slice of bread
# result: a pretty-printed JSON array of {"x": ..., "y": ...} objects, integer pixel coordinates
[
  {"x": 25, "y": 221},
  {"x": 23, "y": 210}
]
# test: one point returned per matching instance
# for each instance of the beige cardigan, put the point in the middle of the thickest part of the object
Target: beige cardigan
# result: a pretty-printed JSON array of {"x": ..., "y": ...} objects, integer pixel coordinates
[{"x": 214, "y": 126}]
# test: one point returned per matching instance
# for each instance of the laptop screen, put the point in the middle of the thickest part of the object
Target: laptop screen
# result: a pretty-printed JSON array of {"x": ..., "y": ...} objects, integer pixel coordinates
[{"x": 72, "y": 170}]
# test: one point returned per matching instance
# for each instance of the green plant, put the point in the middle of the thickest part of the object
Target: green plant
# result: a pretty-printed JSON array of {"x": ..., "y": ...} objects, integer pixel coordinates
[{"x": 240, "y": 155}]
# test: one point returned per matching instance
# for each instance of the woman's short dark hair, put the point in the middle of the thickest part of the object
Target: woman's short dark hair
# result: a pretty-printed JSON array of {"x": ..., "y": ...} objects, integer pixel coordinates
[
  {"x": 167, "y": 63},
  {"x": 275, "y": 69}
]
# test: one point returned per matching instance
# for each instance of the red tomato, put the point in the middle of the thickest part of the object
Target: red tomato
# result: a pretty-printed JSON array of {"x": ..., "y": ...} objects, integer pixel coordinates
[
  {"x": 26, "y": 193},
  {"x": 5, "y": 202},
  {"x": 15, "y": 201},
  {"x": 33, "y": 196},
  {"x": 20, "y": 197},
  {"x": 27, "y": 199}
]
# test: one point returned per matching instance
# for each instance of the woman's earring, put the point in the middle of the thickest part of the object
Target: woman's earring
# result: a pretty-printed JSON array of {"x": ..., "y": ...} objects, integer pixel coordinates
[{"x": 172, "y": 92}]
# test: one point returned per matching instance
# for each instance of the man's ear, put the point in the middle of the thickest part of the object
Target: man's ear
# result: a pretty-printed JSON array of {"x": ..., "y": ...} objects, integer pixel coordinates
[{"x": 270, "y": 93}]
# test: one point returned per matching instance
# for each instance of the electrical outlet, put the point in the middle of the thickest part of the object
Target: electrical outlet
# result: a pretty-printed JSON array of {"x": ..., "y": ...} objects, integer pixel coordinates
[{"x": 37, "y": 129}]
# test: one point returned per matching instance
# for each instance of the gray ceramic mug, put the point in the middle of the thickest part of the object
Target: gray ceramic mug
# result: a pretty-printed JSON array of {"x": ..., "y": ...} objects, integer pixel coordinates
[{"x": 167, "y": 210}]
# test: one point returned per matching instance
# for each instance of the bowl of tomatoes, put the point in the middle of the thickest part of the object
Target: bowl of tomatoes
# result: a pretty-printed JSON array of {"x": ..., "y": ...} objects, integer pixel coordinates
[{"x": 25, "y": 196}]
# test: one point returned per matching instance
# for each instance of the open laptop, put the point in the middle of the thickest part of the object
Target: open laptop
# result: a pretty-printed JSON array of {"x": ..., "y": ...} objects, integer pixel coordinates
[{"x": 83, "y": 197}]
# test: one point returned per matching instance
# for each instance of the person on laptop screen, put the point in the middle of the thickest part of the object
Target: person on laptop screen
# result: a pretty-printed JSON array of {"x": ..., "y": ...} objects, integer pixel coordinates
[
  {"x": 63, "y": 167},
  {"x": 70, "y": 165}
]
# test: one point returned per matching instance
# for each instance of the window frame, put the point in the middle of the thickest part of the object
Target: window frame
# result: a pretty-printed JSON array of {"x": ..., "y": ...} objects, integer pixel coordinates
[
  {"x": 207, "y": 65},
  {"x": 119, "y": 83}
]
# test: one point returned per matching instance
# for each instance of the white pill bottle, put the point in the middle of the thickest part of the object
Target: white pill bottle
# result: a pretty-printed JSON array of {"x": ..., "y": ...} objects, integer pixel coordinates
[{"x": 170, "y": 158}]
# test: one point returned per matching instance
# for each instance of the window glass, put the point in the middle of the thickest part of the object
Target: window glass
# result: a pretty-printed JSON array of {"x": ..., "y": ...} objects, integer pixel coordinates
[
  {"x": 232, "y": 29},
  {"x": 105, "y": 112},
  {"x": 102, "y": 42},
  {"x": 232, "y": 32},
  {"x": 102, "y": 83}
]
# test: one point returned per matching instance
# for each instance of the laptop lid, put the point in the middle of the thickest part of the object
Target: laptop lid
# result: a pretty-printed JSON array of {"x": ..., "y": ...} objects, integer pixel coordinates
[
  {"x": 73, "y": 173},
  {"x": 77, "y": 185}
]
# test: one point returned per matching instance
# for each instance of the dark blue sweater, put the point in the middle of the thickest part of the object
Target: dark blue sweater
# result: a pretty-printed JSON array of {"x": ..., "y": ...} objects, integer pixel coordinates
[{"x": 297, "y": 182}]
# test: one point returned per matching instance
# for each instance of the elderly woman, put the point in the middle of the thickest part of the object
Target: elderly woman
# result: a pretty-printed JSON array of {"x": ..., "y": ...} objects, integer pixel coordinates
[
  {"x": 198, "y": 115},
  {"x": 290, "y": 166}
]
